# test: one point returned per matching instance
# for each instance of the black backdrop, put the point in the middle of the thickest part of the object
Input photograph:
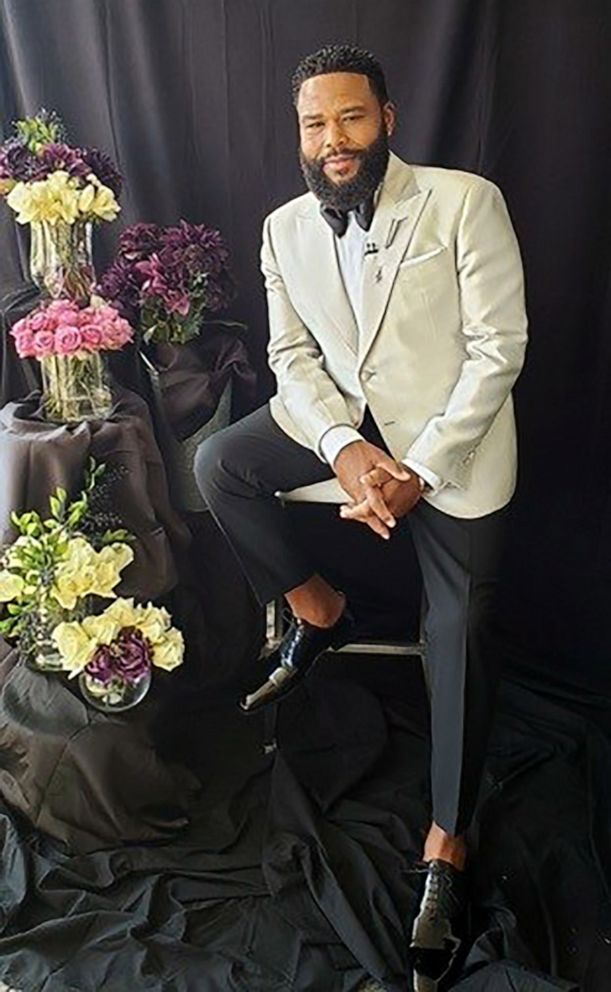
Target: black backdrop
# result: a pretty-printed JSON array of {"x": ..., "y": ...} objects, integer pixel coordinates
[{"x": 191, "y": 98}]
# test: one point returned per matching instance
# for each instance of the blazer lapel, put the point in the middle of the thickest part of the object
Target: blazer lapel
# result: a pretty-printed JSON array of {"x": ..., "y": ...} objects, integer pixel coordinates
[{"x": 398, "y": 211}]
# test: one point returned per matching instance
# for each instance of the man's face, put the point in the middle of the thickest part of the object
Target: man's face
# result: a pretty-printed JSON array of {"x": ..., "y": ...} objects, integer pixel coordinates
[{"x": 340, "y": 117}]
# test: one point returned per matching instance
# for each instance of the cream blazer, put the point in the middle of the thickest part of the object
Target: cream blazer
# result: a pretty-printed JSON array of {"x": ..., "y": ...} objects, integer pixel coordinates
[{"x": 442, "y": 337}]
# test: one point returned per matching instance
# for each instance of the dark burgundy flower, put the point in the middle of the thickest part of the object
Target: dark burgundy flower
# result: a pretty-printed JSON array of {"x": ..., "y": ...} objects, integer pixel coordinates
[
  {"x": 139, "y": 241},
  {"x": 60, "y": 156},
  {"x": 18, "y": 162},
  {"x": 121, "y": 285},
  {"x": 127, "y": 657},
  {"x": 101, "y": 666},
  {"x": 180, "y": 271},
  {"x": 103, "y": 167},
  {"x": 132, "y": 655}
]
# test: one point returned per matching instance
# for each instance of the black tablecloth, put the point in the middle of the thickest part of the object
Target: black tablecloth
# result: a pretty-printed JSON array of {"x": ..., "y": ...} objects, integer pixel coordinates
[{"x": 37, "y": 456}]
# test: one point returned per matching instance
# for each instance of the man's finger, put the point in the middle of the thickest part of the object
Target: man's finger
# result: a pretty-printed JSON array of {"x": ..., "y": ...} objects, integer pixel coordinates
[
  {"x": 354, "y": 511},
  {"x": 394, "y": 468},
  {"x": 362, "y": 514},
  {"x": 375, "y": 477},
  {"x": 377, "y": 503}
]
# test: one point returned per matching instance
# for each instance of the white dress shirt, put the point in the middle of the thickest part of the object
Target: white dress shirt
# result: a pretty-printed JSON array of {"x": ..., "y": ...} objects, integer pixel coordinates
[{"x": 350, "y": 250}]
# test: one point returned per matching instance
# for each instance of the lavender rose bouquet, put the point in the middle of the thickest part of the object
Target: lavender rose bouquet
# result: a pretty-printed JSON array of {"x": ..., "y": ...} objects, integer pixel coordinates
[{"x": 166, "y": 278}]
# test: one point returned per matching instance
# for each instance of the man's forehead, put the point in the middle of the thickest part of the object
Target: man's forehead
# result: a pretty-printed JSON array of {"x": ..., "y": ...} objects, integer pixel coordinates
[{"x": 318, "y": 92}]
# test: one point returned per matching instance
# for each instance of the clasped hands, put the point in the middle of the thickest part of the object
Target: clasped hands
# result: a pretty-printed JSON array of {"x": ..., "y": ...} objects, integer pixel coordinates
[{"x": 381, "y": 489}]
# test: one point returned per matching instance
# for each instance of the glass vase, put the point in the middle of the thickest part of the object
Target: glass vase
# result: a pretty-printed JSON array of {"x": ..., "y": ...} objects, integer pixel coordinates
[
  {"x": 42, "y": 652},
  {"x": 116, "y": 695},
  {"x": 74, "y": 388},
  {"x": 61, "y": 259}
]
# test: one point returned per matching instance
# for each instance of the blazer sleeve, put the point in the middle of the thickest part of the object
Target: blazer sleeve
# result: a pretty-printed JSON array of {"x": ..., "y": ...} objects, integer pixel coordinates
[
  {"x": 308, "y": 393},
  {"x": 494, "y": 323}
]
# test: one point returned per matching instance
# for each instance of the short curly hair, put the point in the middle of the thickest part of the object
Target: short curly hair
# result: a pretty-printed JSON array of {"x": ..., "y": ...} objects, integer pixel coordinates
[{"x": 340, "y": 58}]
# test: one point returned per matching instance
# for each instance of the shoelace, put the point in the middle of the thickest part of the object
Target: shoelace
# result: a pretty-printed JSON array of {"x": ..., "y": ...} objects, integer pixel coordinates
[{"x": 439, "y": 897}]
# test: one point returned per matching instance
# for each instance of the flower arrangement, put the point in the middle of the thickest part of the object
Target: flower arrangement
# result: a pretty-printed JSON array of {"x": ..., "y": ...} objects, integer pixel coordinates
[
  {"x": 68, "y": 341},
  {"x": 60, "y": 191},
  {"x": 114, "y": 651},
  {"x": 50, "y": 579},
  {"x": 52, "y": 569},
  {"x": 45, "y": 179},
  {"x": 62, "y": 327},
  {"x": 167, "y": 277}
]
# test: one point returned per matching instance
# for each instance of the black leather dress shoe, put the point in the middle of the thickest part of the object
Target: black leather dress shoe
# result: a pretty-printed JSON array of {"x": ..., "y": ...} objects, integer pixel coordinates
[
  {"x": 294, "y": 657},
  {"x": 440, "y": 926}
]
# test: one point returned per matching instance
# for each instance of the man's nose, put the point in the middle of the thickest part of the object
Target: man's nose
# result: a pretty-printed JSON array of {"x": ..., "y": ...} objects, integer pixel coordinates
[{"x": 335, "y": 138}]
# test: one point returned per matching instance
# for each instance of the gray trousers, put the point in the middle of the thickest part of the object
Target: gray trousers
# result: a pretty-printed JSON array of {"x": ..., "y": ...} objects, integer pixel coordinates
[{"x": 239, "y": 469}]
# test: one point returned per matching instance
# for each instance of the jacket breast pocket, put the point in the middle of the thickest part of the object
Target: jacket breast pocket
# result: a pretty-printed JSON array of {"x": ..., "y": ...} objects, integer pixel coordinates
[{"x": 423, "y": 260}]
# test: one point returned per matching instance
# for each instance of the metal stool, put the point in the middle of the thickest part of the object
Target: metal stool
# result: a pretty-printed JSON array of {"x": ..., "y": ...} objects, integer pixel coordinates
[{"x": 330, "y": 491}]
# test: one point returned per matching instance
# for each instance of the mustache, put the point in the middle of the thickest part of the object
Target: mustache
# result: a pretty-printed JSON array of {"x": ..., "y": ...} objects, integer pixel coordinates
[{"x": 344, "y": 154}]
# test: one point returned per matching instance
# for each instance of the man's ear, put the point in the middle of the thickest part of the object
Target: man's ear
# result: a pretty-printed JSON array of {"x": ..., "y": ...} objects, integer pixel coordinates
[{"x": 389, "y": 115}]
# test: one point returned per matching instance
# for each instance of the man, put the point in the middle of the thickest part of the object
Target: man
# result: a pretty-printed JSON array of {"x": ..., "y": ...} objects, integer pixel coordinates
[{"x": 397, "y": 330}]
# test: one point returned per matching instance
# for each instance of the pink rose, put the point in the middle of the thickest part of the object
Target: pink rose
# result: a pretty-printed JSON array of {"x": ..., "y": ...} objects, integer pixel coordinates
[
  {"x": 68, "y": 339},
  {"x": 44, "y": 343},
  {"x": 117, "y": 333},
  {"x": 24, "y": 342},
  {"x": 39, "y": 321},
  {"x": 92, "y": 337},
  {"x": 57, "y": 306}
]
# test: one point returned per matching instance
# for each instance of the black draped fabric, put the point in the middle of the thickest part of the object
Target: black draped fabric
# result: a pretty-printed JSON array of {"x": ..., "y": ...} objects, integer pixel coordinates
[{"x": 293, "y": 872}]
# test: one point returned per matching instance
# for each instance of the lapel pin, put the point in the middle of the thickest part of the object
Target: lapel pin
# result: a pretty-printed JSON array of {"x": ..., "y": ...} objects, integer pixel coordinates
[{"x": 378, "y": 275}]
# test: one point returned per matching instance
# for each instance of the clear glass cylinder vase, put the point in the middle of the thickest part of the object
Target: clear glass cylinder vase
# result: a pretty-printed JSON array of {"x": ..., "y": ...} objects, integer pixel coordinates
[
  {"x": 61, "y": 259},
  {"x": 74, "y": 388},
  {"x": 42, "y": 652}
]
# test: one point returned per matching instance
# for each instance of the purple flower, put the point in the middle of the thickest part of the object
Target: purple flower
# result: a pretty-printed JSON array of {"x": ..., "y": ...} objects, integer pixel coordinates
[
  {"x": 127, "y": 658},
  {"x": 101, "y": 666},
  {"x": 121, "y": 285},
  {"x": 18, "y": 162},
  {"x": 133, "y": 655},
  {"x": 139, "y": 241},
  {"x": 59, "y": 156},
  {"x": 103, "y": 167},
  {"x": 180, "y": 271}
]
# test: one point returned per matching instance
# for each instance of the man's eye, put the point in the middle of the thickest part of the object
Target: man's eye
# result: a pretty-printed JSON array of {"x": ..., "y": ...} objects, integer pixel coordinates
[
  {"x": 353, "y": 117},
  {"x": 313, "y": 125}
]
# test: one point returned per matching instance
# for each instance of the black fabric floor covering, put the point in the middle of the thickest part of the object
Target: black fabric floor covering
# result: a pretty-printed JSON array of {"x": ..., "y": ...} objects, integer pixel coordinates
[{"x": 294, "y": 871}]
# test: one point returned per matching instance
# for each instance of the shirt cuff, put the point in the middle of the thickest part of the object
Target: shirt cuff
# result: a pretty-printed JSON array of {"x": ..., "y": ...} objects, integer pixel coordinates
[
  {"x": 431, "y": 478},
  {"x": 335, "y": 439}
]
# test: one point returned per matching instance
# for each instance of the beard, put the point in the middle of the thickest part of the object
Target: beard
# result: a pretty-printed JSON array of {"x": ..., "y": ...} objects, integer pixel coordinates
[{"x": 346, "y": 196}]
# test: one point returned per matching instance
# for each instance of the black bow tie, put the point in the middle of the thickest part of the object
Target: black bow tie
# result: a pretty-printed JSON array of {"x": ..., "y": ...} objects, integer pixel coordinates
[{"x": 338, "y": 219}]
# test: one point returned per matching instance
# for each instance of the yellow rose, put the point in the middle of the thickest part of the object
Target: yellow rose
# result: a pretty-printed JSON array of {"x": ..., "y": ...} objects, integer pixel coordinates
[
  {"x": 86, "y": 198},
  {"x": 153, "y": 622},
  {"x": 105, "y": 205},
  {"x": 168, "y": 653},
  {"x": 80, "y": 552},
  {"x": 67, "y": 588},
  {"x": 119, "y": 553},
  {"x": 75, "y": 647},
  {"x": 11, "y": 586},
  {"x": 107, "y": 568},
  {"x": 20, "y": 199},
  {"x": 101, "y": 628},
  {"x": 123, "y": 612}
]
